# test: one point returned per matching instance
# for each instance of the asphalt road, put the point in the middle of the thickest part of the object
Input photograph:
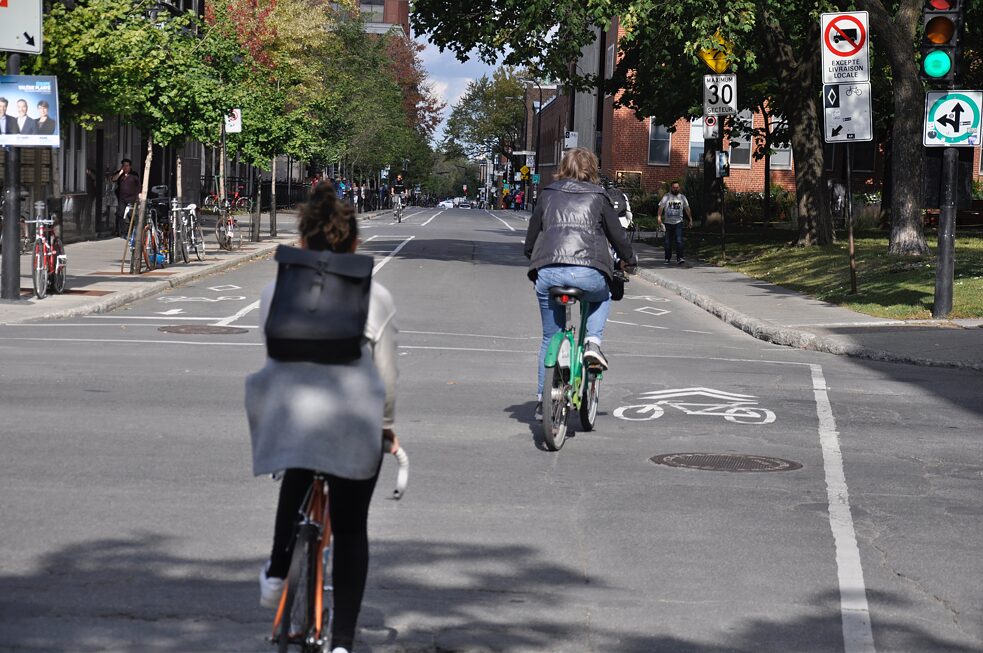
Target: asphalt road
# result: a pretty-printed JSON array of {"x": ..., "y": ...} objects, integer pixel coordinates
[{"x": 131, "y": 521}]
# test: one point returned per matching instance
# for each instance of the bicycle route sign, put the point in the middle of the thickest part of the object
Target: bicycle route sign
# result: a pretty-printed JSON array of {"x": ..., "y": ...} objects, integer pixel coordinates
[
  {"x": 952, "y": 118},
  {"x": 846, "y": 110},
  {"x": 843, "y": 42},
  {"x": 20, "y": 26},
  {"x": 719, "y": 95}
]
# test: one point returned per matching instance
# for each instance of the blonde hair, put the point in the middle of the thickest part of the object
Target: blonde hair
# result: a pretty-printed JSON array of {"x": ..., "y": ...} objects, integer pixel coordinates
[{"x": 579, "y": 163}]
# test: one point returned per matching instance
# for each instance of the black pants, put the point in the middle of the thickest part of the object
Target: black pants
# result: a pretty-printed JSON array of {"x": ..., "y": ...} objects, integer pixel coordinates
[{"x": 348, "y": 503}]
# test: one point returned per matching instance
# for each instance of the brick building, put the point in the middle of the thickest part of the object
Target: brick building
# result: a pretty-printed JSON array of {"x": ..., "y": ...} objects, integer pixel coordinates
[
  {"x": 647, "y": 153},
  {"x": 382, "y": 15}
]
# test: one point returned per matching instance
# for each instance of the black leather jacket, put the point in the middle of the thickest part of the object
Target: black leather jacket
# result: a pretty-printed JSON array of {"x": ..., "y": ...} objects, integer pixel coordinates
[{"x": 573, "y": 224}]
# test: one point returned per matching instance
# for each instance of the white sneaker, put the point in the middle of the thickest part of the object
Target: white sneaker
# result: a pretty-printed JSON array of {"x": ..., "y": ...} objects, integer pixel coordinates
[
  {"x": 339, "y": 649},
  {"x": 270, "y": 589}
]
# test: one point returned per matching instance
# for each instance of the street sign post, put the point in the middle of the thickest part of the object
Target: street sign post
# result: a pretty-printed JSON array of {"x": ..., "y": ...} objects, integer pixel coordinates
[
  {"x": 843, "y": 40},
  {"x": 20, "y": 26},
  {"x": 719, "y": 95},
  {"x": 952, "y": 118},
  {"x": 846, "y": 108}
]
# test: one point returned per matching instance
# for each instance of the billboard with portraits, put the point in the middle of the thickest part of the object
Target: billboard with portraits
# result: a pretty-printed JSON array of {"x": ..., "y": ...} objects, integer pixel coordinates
[{"x": 29, "y": 111}]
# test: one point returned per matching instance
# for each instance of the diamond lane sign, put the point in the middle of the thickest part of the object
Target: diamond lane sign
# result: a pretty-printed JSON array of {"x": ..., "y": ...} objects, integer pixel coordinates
[{"x": 846, "y": 110}]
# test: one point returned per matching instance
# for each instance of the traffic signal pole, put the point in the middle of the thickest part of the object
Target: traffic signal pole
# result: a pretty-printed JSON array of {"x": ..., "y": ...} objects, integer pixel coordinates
[
  {"x": 10, "y": 270},
  {"x": 946, "y": 255}
]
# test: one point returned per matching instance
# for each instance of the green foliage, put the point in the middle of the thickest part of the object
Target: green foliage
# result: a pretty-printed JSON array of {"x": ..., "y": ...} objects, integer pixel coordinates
[{"x": 489, "y": 118}]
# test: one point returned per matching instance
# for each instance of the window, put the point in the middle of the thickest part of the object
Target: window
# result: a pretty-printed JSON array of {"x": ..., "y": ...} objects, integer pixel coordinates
[
  {"x": 696, "y": 142},
  {"x": 373, "y": 11},
  {"x": 659, "y": 142},
  {"x": 740, "y": 140},
  {"x": 609, "y": 63}
]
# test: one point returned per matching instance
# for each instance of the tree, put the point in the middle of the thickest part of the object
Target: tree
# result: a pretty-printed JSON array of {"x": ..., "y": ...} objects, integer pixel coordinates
[
  {"x": 658, "y": 52},
  {"x": 489, "y": 118}
]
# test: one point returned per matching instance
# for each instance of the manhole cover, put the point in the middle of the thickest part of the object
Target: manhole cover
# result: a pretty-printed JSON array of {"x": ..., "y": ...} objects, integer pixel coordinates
[
  {"x": 726, "y": 462},
  {"x": 201, "y": 329}
]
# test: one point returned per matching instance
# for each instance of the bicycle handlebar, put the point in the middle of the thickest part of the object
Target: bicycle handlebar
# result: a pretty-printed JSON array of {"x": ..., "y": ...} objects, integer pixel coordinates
[{"x": 402, "y": 474}]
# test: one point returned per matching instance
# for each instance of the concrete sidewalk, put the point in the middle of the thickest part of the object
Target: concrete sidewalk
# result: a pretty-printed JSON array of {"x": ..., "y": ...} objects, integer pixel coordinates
[
  {"x": 775, "y": 314},
  {"x": 96, "y": 285}
]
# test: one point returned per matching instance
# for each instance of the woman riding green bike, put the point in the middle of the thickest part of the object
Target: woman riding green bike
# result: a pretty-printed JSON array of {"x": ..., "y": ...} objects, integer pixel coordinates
[{"x": 569, "y": 243}]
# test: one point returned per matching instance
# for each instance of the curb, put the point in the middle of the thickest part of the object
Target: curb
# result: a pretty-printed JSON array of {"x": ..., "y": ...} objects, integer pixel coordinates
[
  {"x": 789, "y": 337},
  {"x": 122, "y": 298}
]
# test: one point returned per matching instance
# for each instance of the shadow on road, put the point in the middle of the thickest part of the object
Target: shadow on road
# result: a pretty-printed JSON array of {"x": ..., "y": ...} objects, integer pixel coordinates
[{"x": 133, "y": 594}]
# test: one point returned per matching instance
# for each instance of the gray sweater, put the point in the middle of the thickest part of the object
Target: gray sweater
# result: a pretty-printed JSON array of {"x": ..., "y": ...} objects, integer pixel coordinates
[{"x": 326, "y": 417}]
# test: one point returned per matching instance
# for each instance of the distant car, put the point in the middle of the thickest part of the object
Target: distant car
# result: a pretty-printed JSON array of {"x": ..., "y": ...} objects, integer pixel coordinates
[
  {"x": 464, "y": 204},
  {"x": 446, "y": 204}
]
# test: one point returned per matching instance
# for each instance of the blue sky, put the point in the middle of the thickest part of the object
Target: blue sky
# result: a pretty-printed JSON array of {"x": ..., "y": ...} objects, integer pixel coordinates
[{"x": 449, "y": 76}]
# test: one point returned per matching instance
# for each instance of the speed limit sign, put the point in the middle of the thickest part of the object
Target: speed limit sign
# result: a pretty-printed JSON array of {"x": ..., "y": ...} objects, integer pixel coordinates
[{"x": 719, "y": 95}]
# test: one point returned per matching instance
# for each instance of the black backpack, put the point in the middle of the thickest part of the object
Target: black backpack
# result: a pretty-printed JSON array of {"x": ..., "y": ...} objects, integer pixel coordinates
[
  {"x": 320, "y": 306},
  {"x": 618, "y": 200}
]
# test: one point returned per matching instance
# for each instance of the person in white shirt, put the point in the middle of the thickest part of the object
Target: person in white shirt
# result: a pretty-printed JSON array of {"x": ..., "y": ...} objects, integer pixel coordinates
[{"x": 672, "y": 207}]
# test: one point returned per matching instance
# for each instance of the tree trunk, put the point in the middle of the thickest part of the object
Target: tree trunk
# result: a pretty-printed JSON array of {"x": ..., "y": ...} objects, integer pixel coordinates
[
  {"x": 142, "y": 208},
  {"x": 798, "y": 77},
  {"x": 887, "y": 185},
  {"x": 897, "y": 36}
]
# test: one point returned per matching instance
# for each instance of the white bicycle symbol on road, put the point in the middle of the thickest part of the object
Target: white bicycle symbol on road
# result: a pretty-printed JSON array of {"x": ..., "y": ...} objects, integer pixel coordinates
[{"x": 739, "y": 409}]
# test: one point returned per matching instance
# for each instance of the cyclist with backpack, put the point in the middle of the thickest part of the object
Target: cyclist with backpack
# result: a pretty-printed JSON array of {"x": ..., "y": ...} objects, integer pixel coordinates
[{"x": 310, "y": 410}]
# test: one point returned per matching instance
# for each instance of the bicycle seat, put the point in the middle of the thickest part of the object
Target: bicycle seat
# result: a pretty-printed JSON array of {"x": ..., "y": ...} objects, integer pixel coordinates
[
  {"x": 190, "y": 207},
  {"x": 566, "y": 295}
]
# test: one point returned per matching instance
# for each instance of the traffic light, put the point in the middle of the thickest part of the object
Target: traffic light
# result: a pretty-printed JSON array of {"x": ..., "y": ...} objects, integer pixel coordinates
[{"x": 941, "y": 48}]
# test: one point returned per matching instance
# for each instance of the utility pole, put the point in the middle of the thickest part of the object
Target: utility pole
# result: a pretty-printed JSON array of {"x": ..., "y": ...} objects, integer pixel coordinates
[{"x": 10, "y": 270}]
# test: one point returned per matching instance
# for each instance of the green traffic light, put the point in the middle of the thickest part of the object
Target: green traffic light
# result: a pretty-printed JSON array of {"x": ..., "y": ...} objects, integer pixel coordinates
[{"x": 936, "y": 64}]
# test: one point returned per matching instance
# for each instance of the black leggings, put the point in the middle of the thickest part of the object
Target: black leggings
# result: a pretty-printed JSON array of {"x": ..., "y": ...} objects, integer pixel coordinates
[{"x": 348, "y": 503}]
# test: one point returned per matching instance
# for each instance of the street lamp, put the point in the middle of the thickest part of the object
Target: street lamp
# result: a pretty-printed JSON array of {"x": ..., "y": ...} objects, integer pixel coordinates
[{"x": 539, "y": 125}]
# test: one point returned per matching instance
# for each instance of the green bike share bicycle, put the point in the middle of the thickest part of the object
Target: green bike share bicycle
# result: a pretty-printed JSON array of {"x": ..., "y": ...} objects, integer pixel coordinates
[{"x": 570, "y": 384}]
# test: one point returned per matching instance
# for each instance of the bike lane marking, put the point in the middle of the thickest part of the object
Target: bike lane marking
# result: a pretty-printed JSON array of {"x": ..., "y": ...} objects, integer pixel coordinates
[
  {"x": 511, "y": 228},
  {"x": 382, "y": 263},
  {"x": 226, "y": 321},
  {"x": 854, "y": 608},
  {"x": 432, "y": 218}
]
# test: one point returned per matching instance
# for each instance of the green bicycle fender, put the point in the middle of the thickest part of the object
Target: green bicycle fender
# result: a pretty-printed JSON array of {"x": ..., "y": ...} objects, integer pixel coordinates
[{"x": 553, "y": 350}]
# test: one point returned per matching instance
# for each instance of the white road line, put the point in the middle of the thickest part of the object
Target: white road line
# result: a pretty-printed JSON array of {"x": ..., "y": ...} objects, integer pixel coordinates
[
  {"x": 500, "y": 220},
  {"x": 470, "y": 335},
  {"x": 143, "y": 317},
  {"x": 857, "y": 634},
  {"x": 647, "y": 326},
  {"x": 232, "y": 318},
  {"x": 494, "y": 351},
  {"x": 708, "y": 333},
  {"x": 142, "y": 342},
  {"x": 378, "y": 266},
  {"x": 431, "y": 219}
]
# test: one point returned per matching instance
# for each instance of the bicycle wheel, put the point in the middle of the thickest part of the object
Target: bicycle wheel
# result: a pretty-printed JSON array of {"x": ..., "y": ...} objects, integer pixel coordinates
[
  {"x": 589, "y": 399},
  {"x": 298, "y": 608},
  {"x": 39, "y": 271},
  {"x": 235, "y": 235},
  {"x": 242, "y": 203},
  {"x": 61, "y": 267},
  {"x": 198, "y": 241},
  {"x": 555, "y": 406},
  {"x": 209, "y": 204},
  {"x": 221, "y": 232},
  {"x": 149, "y": 248}
]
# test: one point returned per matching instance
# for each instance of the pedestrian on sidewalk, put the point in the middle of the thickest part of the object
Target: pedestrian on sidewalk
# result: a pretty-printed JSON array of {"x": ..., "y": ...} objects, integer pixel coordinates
[
  {"x": 333, "y": 418},
  {"x": 127, "y": 192},
  {"x": 672, "y": 207}
]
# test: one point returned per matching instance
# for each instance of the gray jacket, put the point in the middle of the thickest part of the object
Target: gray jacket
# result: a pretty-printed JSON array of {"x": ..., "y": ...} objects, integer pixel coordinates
[
  {"x": 575, "y": 224},
  {"x": 327, "y": 418}
]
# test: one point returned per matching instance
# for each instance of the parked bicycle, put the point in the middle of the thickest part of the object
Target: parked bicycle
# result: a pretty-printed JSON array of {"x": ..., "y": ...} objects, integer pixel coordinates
[
  {"x": 151, "y": 256},
  {"x": 570, "y": 384},
  {"x": 192, "y": 232},
  {"x": 303, "y": 617},
  {"x": 228, "y": 234},
  {"x": 49, "y": 264}
]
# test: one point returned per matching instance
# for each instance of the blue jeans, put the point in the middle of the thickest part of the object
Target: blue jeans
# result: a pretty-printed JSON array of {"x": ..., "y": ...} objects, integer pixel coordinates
[
  {"x": 674, "y": 234},
  {"x": 592, "y": 282}
]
